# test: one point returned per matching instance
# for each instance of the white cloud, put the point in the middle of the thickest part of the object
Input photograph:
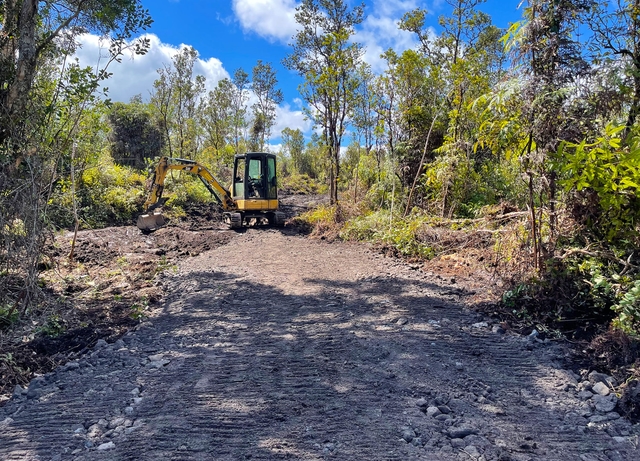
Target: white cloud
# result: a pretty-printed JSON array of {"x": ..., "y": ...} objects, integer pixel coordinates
[
  {"x": 275, "y": 21},
  {"x": 136, "y": 74},
  {"x": 379, "y": 31},
  {"x": 275, "y": 148},
  {"x": 286, "y": 117},
  {"x": 271, "y": 19}
]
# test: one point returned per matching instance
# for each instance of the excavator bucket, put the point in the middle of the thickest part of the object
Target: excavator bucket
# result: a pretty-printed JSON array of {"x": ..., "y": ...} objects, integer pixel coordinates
[{"x": 151, "y": 222}]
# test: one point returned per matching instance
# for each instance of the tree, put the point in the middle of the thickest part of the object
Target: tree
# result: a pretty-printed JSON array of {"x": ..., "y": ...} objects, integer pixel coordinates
[
  {"x": 324, "y": 55},
  {"x": 42, "y": 100},
  {"x": 134, "y": 135},
  {"x": 293, "y": 144},
  {"x": 264, "y": 110},
  {"x": 462, "y": 62},
  {"x": 552, "y": 62},
  {"x": 216, "y": 115},
  {"x": 239, "y": 98},
  {"x": 365, "y": 118},
  {"x": 616, "y": 33},
  {"x": 411, "y": 97},
  {"x": 388, "y": 129},
  {"x": 33, "y": 32},
  {"x": 176, "y": 96}
]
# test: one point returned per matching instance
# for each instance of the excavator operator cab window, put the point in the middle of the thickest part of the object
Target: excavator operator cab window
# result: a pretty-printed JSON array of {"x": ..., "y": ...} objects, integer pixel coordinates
[
  {"x": 255, "y": 179},
  {"x": 238, "y": 179},
  {"x": 272, "y": 185}
]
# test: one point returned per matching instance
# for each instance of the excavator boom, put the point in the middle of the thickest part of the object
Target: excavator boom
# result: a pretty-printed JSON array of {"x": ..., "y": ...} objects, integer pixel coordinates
[{"x": 152, "y": 221}]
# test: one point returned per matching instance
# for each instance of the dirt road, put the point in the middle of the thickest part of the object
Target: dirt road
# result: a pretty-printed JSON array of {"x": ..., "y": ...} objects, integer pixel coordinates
[{"x": 276, "y": 346}]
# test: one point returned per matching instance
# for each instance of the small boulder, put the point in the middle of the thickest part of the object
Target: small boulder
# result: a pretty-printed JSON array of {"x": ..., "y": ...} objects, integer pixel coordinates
[
  {"x": 605, "y": 403},
  {"x": 601, "y": 388},
  {"x": 106, "y": 446},
  {"x": 460, "y": 432},
  {"x": 594, "y": 377}
]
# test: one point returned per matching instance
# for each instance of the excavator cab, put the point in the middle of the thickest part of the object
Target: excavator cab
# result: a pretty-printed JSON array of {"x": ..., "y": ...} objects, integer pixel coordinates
[
  {"x": 255, "y": 189},
  {"x": 253, "y": 198},
  {"x": 255, "y": 177}
]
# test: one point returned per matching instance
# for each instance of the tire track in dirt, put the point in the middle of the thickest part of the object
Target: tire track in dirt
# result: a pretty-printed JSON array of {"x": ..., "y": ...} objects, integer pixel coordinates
[{"x": 281, "y": 347}]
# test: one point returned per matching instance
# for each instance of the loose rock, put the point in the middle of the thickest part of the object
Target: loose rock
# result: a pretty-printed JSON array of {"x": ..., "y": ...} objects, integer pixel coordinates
[
  {"x": 605, "y": 404},
  {"x": 595, "y": 377},
  {"x": 457, "y": 443},
  {"x": 460, "y": 432},
  {"x": 585, "y": 395},
  {"x": 601, "y": 388},
  {"x": 106, "y": 446},
  {"x": 408, "y": 434}
]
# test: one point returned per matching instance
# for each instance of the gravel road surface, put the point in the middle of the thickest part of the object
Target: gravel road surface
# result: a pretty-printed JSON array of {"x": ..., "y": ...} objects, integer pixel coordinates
[{"x": 276, "y": 346}]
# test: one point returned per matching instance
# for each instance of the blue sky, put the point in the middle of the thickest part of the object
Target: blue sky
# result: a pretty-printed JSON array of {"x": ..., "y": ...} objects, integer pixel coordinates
[{"x": 229, "y": 34}]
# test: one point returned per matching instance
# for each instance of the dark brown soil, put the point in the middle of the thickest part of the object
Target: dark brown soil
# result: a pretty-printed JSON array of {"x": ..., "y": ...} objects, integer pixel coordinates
[{"x": 101, "y": 293}]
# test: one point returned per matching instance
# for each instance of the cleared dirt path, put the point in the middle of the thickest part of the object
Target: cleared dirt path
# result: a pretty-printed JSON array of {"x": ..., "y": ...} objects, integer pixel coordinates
[{"x": 276, "y": 346}]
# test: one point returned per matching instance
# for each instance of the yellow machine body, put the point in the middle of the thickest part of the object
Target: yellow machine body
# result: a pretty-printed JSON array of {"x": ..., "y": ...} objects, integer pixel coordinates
[{"x": 253, "y": 197}]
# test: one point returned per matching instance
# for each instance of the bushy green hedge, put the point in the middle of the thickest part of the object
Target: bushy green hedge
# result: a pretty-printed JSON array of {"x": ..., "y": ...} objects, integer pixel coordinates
[{"x": 106, "y": 194}]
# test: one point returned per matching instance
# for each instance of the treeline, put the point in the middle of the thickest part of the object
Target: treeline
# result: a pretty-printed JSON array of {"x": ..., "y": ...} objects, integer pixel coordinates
[
  {"x": 540, "y": 119},
  {"x": 182, "y": 119}
]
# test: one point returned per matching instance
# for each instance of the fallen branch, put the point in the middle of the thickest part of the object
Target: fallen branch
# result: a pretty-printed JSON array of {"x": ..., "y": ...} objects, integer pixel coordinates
[{"x": 602, "y": 254}]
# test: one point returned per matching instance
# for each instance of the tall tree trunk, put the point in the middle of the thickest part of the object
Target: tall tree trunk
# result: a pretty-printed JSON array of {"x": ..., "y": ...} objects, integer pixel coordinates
[
  {"x": 634, "y": 110},
  {"x": 26, "y": 65}
]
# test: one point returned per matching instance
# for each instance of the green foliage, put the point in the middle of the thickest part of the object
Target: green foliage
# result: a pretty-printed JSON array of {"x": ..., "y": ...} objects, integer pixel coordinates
[
  {"x": 323, "y": 220},
  {"x": 135, "y": 136},
  {"x": 215, "y": 115},
  {"x": 293, "y": 146},
  {"x": 139, "y": 309},
  {"x": 611, "y": 169},
  {"x": 53, "y": 327},
  {"x": 404, "y": 235},
  {"x": 456, "y": 185},
  {"x": 604, "y": 288},
  {"x": 301, "y": 184},
  {"x": 367, "y": 170},
  {"x": 164, "y": 265},
  {"x": 107, "y": 194},
  {"x": 8, "y": 315},
  {"x": 580, "y": 295},
  {"x": 628, "y": 310},
  {"x": 264, "y": 86},
  {"x": 319, "y": 215},
  {"x": 182, "y": 189},
  {"x": 110, "y": 194},
  {"x": 511, "y": 297},
  {"x": 175, "y": 101},
  {"x": 324, "y": 55}
]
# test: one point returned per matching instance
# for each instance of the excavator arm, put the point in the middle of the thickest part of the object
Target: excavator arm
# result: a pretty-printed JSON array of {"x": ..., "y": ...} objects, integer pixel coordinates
[
  {"x": 148, "y": 222},
  {"x": 222, "y": 195}
]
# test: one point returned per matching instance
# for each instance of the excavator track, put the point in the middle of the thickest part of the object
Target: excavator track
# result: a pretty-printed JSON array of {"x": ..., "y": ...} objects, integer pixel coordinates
[{"x": 234, "y": 220}]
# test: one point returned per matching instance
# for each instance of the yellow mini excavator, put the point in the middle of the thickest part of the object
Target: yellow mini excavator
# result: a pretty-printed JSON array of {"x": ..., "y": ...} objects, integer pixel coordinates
[{"x": 253, "y": 197}]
